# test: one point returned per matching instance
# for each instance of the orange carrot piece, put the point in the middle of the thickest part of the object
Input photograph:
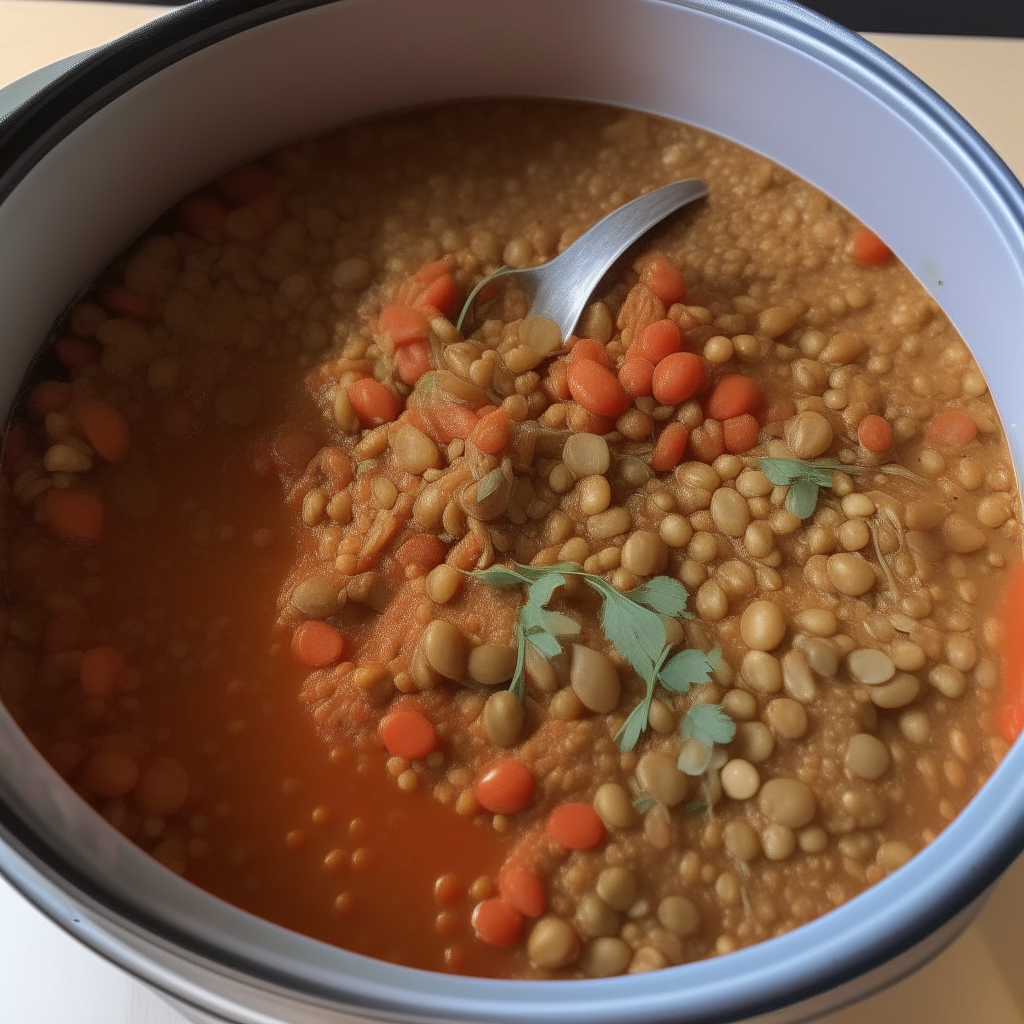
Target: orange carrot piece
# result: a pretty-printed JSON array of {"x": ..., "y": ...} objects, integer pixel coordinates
[
  {"x": 587, "y": 348},
  {"x": 202, "y": 216},
  {"x": 317, "y": 644},
  {"x": 678, "y": 377},
  {"x": 575, "y": 826},
  {"x": 100, "y": 670},
  {"x": 522, "y": 889},
  {"x": 431, "y": 271},
  {"x": 441, "y": 294},
  {"x": 403, "y": 324},
  {"x": 668, "y": 452},
  {"x": 875, "y": 433},
  {"x": 778, "y": 411},
  {"x": 1009, "y": 712},
  {"x": 105, "y": 428},
  {"x": 412, "y": 361},
  {"x": 492, "y": 432},
  {"x": 866, "y": 247},
  {"x": 74, "y": 515},
  {"x": 424, "y": 549},
  {"x": 465, "y": 553},
  {"x": 707, "y": 441},
  {"x": 664, "y": 280},
  {"x": 373, "y": 403},
  {"x": 733, "y": 395},
  {"x": 739, "y": 433},
  {"x": 506, "y": 787},
  {"x": 406, "y": 733},
  {"x": 497, "y": 923},
  {"x": 244, "y": 184},
  {"x": 656, "y": 341},
  {"x": 49, "y": 396},
  {"x": 76, "y": 352},
  {"x": 951, "y": 429},
  {"x": 636, "y": 375},
  {"x": 597, "y": 389}
]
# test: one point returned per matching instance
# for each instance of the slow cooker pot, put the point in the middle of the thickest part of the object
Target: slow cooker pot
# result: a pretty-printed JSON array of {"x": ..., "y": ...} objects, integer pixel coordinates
[{"x": 91, "y": 159}]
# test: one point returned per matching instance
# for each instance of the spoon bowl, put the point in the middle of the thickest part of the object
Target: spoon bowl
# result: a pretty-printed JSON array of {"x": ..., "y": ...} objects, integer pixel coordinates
[{"x": 562, "y": 286}]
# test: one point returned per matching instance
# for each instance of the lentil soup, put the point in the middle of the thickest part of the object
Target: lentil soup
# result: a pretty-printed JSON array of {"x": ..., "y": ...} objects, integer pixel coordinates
[{"x": 469, "y": 646}]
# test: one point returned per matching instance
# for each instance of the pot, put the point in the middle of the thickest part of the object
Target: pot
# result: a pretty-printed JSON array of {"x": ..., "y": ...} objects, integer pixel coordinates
[{"x": 88, "y": 162}]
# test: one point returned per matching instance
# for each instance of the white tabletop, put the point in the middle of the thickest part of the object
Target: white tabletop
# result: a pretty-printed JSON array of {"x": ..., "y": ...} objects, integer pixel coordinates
[{"x": 46, "y": 977}]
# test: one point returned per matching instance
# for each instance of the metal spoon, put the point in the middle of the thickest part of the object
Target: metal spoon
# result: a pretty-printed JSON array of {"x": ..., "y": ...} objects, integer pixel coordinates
[{"x": 562, "y": 286}]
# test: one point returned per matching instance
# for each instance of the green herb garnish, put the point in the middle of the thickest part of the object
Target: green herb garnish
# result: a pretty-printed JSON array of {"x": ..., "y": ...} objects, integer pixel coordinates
[
  {"x": 643, "y": 803},
  {"x": 697, "y": 807},
  {"x": 500, "y": 272},
  {"x": 804, "y": 480},
  {"x": 702, "y": 727},
  {"x": 631, "y": 621}
]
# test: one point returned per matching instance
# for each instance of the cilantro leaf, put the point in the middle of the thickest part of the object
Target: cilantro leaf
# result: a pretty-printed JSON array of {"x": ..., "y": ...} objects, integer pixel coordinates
[
  {"x": 686, "y": 668},
  {"x": 643, "y": 803},
  {"x": 697, "y": 806},
  {"x": 708, "y": 724},
  {"x": 802, "y": 498},
  {"x": 545, "y": 642},
  {"x": 638, "y": 634},
  {"x": 500, "y": 272},
  {"x": 518, "y": 684},
  {"x": 780, "y": 471},
  {"x": 663, "y": 595},
  {"x": 626, "y": 738},
  {"x": 499, "y": 576}
]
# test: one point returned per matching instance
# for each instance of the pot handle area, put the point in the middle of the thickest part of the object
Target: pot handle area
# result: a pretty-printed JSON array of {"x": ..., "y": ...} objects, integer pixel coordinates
[{"x": 12, "y": 96}]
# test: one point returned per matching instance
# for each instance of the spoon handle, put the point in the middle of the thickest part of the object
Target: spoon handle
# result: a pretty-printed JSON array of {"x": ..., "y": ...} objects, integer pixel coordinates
[{"x": 564, "y": 285}]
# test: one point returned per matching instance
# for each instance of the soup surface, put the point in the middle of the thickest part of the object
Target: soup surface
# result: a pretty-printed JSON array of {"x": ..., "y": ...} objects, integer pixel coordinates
[{"x": 484, "y": 650}]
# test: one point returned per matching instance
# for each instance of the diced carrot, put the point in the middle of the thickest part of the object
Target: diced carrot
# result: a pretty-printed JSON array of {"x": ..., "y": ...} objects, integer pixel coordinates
[
  {"x": 123, "y": 300},
  {"x": 664, "y": 280},
  {"x": 431, "y": 271},
  {"x": 336, "y": 466},
  {"x": 575, "y": 826},
  {"x": 465, "y": 553},
  {"x": 733, "y": 395},
  {"x": 678, "y": 377},
  {"x": 244, "y": 184},
  {"x": 446, "y": 421},
  {"x": 739, "y": 433},
  {"x": 866, "y": 247},
  {"x": 657, "y": 340},
  {"x": 597, "y": 389},
  {"x": 76, "y": 352},
  {"x": 317, "y": 644},
  {"x": 202, "y": 216},
  {"x": 497, "y": 923},
  {"x": 441, "y": 294},
  {"x": 100, "y": 669},
  {"x": 412, "y": 361},
  {"x": 49, "y": 396},
  {"x": 406, "y": 733},
  {"x": 951, "y": 429},
  {"x": 1009, "y": 712},
  {"x": 424, "y": 549},
  {"x": 73, "y": 514},
  {"x": 105, "y": 428},
  {"x": 707, "y": 441},
  {"x": 587, "y": 348},
  {"x": 636, "y": 375},
  {"x": 875, "y": 433},
  {"x": 373, "y": 403},
  {"x": 403, "y": 324},
  {"x": 668, "y": 452},
  {"x": 505, "y": 787},
  {"x": 492, "y": 432},
  {"x": 521, "y": 888}
]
